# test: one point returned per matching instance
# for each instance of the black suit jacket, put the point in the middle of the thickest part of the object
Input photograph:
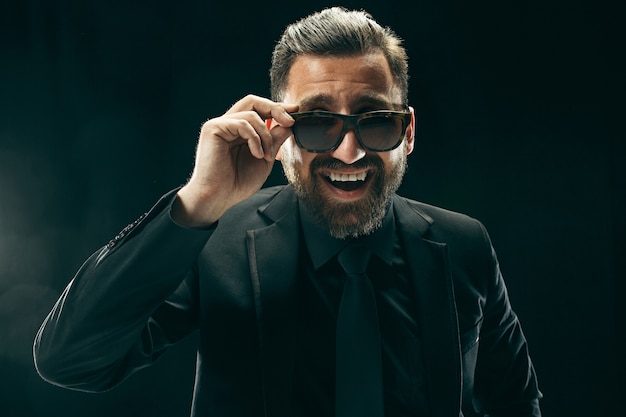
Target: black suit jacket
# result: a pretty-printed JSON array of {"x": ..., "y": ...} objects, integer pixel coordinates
[{"x": 236, "y": 283}]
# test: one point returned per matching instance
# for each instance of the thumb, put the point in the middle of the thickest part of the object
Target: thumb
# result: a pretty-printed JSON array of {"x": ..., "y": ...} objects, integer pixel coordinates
[{"x": 279, "y": 135}]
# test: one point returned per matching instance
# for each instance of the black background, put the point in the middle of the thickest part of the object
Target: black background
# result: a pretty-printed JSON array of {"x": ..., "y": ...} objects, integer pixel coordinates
[{"x": 519, "y": 105}]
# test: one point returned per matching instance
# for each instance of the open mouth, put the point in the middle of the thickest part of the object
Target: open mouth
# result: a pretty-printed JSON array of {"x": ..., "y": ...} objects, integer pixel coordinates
[{"x": 347, "y": 182}]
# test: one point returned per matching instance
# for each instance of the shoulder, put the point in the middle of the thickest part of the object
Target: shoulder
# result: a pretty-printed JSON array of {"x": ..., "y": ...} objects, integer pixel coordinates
[
  {"x": 466, "y": 238},
  {"x": 440, "y": 221},
  {"x": 262, "y": 198},
  {"x": 251, "y": 211},
  {"x": 470, "y": 253}
]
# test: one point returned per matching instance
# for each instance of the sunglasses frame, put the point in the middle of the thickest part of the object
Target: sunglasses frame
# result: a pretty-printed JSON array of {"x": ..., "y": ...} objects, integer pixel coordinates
[{"x": 350, "y": 121}]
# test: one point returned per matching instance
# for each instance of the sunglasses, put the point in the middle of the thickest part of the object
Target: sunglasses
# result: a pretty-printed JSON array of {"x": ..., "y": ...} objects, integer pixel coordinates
[{"x": 376, "y": 131}]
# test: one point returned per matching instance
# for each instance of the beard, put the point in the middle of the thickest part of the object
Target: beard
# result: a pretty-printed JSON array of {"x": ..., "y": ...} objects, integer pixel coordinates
[{"x": 347, "y": 219}]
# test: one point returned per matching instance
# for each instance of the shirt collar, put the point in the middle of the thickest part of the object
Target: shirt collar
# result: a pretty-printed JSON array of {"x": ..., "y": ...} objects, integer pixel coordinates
[{"x": 322, "y": 247}]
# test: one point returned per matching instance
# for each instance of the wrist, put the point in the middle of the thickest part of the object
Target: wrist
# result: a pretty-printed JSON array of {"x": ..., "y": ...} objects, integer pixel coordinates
[{"x": 194, "y": 209}]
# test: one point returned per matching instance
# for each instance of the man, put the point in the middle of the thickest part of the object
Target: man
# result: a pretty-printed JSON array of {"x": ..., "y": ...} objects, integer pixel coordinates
[{"x": 261, "y": 274}]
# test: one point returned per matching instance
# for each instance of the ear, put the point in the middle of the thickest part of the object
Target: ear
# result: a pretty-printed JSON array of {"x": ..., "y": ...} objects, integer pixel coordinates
[{"x": 410, "y": 133}]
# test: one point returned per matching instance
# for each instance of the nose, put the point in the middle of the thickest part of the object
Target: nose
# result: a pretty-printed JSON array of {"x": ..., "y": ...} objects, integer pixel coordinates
[{"x": 349, "y": 150}]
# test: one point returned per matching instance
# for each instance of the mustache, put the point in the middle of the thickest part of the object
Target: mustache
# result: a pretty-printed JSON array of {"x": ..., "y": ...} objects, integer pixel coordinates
[{"x": 328, "y": 162}]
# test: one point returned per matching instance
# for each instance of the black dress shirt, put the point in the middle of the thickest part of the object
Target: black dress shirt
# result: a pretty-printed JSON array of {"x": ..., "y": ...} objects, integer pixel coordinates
[{"x": 320, "y": 289}]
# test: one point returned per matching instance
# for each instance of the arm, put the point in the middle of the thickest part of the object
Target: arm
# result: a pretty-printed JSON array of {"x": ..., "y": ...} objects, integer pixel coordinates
[
  {"x": 505, "y": 380},
  {"x": 135, "y": 296},
  {"x": 127, "y": 303}
]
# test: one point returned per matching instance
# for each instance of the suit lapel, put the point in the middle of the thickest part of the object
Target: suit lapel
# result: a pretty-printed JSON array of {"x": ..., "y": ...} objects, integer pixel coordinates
[
  {"x": 273, "y": 253},
  {"x": 429, "y": 265}
]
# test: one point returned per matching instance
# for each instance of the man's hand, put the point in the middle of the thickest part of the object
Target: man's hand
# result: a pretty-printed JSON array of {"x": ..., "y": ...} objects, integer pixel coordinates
[{"x": 234, "y": 157}]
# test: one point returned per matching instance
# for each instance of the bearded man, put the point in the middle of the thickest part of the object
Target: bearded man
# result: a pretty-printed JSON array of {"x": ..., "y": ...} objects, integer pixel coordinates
[{"x": 331, "y": 296}]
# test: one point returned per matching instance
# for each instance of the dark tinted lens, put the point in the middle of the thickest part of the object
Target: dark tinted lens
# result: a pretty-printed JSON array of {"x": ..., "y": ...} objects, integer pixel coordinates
[
  {"x": 317, "y": 132},
  {"x": 381, "y": 132}
]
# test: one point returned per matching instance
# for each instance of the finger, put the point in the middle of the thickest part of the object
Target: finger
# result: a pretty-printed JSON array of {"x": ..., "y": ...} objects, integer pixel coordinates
[
  {"x": 261, "y": 142},
  {"x": 271, "y": 135},
  {"x": 280, "y": 113},
  {"x": 235, "y": 131},
  {"x": 265, "y": 108},
  {"x": 254, "y": 136},
  {"x": 279, "y": 135}
]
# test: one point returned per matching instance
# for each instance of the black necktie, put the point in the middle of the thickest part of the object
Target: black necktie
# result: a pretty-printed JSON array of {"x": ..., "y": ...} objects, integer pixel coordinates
[{"x": 359, "y": 390}]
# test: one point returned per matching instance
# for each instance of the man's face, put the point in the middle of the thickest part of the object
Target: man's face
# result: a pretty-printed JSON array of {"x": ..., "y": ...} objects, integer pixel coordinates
[{"x": 348, "y": 188}]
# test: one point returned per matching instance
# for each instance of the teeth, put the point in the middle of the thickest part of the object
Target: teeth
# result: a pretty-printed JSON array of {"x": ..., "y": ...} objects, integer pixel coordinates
[{"x": 347, "y": 177}]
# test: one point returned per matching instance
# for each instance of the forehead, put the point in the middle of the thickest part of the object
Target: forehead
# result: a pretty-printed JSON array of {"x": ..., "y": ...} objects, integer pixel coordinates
[{"x": 334, "y": 81}]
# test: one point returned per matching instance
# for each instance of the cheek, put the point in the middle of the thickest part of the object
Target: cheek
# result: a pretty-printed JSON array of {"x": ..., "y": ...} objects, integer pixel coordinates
[
  {"x": 393, "y": 158},
  {"x": 289, "y": 152},
  {"x": 295, "y": 158}
]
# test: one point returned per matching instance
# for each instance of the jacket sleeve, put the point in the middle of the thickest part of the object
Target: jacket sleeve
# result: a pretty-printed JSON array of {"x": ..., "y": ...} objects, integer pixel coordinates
[
  {"x": 127, "y": 303},
  {"x": 505, "y": 380}
]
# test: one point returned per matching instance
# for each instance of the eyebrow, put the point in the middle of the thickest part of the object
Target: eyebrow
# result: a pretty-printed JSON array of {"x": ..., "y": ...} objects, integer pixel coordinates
[
  {"x": 316, "y": 101},
  {"x": 325, "y": 100}
]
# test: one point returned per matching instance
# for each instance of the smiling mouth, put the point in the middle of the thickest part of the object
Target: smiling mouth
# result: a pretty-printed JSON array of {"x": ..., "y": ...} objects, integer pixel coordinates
[{"x": 347, "y": 182}]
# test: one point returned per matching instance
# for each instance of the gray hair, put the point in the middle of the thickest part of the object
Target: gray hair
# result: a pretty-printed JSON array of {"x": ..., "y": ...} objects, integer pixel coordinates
[{"x": 337, "y": 32}]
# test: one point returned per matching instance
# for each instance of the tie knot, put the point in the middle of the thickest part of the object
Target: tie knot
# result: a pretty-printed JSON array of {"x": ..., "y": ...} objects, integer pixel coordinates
[{"x": 354, "y": 258}]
